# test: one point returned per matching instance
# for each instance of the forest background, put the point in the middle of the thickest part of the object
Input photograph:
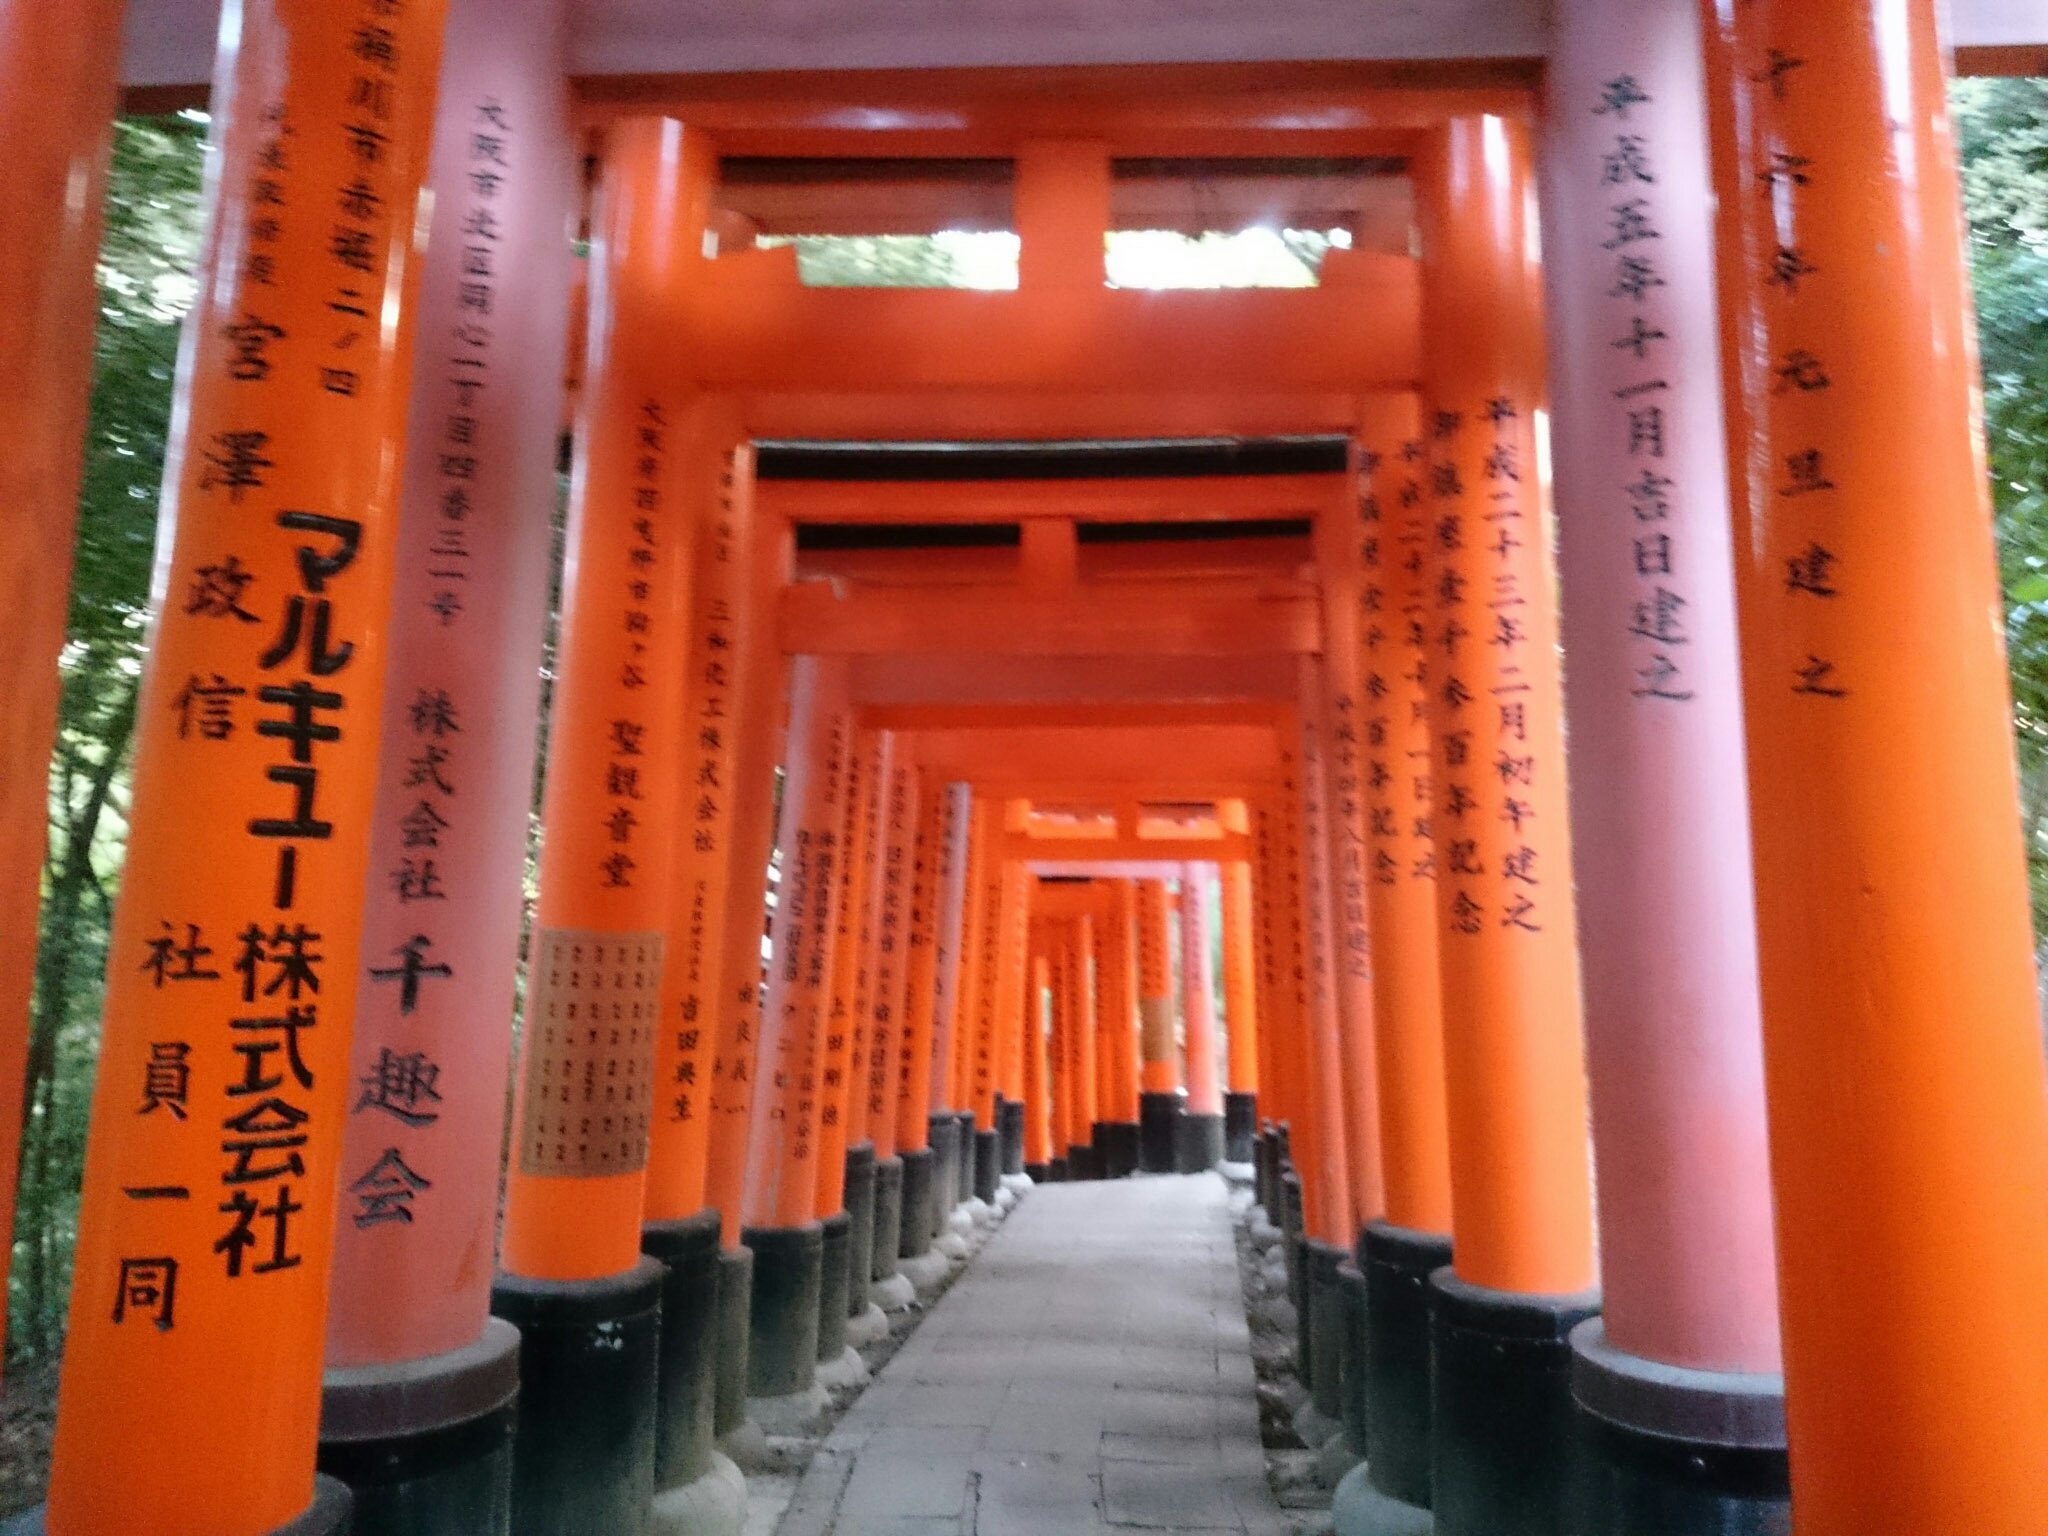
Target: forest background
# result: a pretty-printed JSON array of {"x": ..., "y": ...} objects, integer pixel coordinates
[{"x": 145, "y": 284}]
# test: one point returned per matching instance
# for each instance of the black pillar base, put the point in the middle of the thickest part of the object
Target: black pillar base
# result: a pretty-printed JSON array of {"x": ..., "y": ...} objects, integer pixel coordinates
[
  {"x": 833, "y": 1258},
  {"x": 888, "y": 1237},
  {"x": 1397, "y": 1264},
  {"x": 943, "y": 1130},
  {"x": 920, "y": 1169},
  {"x": 1197, "y": 1142},
  {"x": 1038, "y": 1173},
  {"x": 1266, "y": 1174},
  {"x": 1082, "y": 1162},
  {"x": 1157, "y": 1113},
  {"x": 860, "y": 1232},
  {"x": 1010, "y": 1126},
  {"x": 1301, "y": 1291},
  {"x": 1351, "y": 1356},
  {"x": 782, "y": 1330},
  {"x": 1502, "y": 1421},
  {"x": 684, "y": 1434},
  {"x": 1288, "y": 1220},
  {"x": 1240, "y": 1126},
  {"x": 1324, "y": 1335},
  {"x": 1675, "y": 1452},
  {"x": 988, "y": 1165},
  {"x": 963, "y": 1159},
  {"x": 1116, "y": 1148},
  {"x": 426, "y": 1445},
  {"x": 589, "y": 1374},
  {"x": 327, "y": 1515},
  {"x": 735, "y": 1330},
  {"x": 1057, "y": 1171}
]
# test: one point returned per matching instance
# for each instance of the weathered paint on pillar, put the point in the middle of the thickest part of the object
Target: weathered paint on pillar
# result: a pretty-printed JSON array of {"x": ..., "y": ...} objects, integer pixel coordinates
[
  {"x": 718, "y": 479},
  {"x": 1159, "y": 1055},
  {"x": 577, "y": 1176},
  {"x": 1116, "y": 1049},
  {"x": 782, "y": 1150},
  {"x": 842, "y": 1054},
  {"x": 760, "y": 672},
  {"x": 1515, "y": 1080},
  {"x": 1198, "y": 995},
  {"x": 894, "y": 915},
  {"x": 58, "y": 69},
  {"x": 916, "y": 1078},
  {"x": 191, "y": 1388},
  {"x": 1902, "y": 1050},
  {"x": 1660, "y": 809},
  {"x": 432, "y": 1046},
  {"x": 1341, "y": 698},
  {"x": 1334, "y": 1217},
  {"x": 953, "y": 933},
  {"x": 1398, "y": 617}
]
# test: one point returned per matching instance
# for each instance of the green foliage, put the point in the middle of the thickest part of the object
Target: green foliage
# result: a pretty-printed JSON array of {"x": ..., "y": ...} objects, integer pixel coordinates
[
  {"x": 2003, "y": 125},
  {"x": 145, "y": 285}
]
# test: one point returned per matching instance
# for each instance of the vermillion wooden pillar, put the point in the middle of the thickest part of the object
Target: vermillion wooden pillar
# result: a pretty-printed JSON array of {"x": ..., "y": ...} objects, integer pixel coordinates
[
  {"x": 782, "y": 1156},
  {"x": 1081, "y": 1161},
  {"x": 1400, "y": 641},
  {"x": 1200, "y": 1130},
  {"x": 1158, "y": 1051},
  {"x": 983, "y": 966},
  {"x": 842, "y": 1054},
  {"x": 191, "y": 1388},
  {"x": 1037, "y": 1063},
  {"x": 1013, "y": 912},
  {"x": 895, "y": 899},
  {"x": 1279, "y": 1007},
  {"x": 686, "y": 1054},
  {"x": 1059, "y": 1051},
  {"x": 58, "y": 73},
  {"x": 953, "y": 1168},
  {"x": 409, "y": 1316},
  {"x": 576, "y": 1185},
  {"x": 1515, "y": 1080},
  {"x": 916, "y": 1143},
  {"x": 1659, "y": 803},
  {"x": 1114, "y": 1135},
  {"x": 1902, "y": 1047},
  {"x": 1240, "y": 995},
  {"x": 1339, "y": 703},
  {"x": 1333, "y": 1218},
  {"x": 969, "y": 978}
]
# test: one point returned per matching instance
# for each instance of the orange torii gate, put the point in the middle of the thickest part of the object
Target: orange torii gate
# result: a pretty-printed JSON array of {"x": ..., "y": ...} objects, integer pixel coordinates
[{"x": 308, "y": 464}]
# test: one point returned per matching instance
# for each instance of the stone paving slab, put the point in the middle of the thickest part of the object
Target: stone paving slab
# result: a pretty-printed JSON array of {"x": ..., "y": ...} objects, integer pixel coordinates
[{"x": 1089, "y": 1374}]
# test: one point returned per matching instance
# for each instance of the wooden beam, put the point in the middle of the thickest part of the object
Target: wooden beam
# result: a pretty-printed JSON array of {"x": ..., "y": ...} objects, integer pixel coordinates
[
  {"x": 1175, "y": 499},
  {"x": 1175, "y": 619}
]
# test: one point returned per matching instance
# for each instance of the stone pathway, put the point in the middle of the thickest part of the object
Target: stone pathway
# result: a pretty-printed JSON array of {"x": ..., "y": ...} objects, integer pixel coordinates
[{"x": 1090, "y": 1373}]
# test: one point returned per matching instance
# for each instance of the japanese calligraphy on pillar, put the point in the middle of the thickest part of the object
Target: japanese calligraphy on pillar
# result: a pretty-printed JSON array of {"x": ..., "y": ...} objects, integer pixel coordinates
[
  {"x": 894, "y": 934},
  {"x": 593, "y": 1006},
  {"x": 1492, "y": 653},
  {"x": 207, "y": 1217},
  {"x": 1804, "y": 504},
  {"x": 1397, "y": 620}
]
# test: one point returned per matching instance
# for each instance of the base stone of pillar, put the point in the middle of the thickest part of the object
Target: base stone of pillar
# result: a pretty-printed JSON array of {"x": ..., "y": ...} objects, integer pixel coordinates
[
  {"x": 1010, "y": 1126},
  {"x": 888, "y": 1236},
  {"x": 1358, "y": 1508},
  {"x": 425, "y": 1446},
  {"x": 715, "y": 1504},
  {"x": 1040, "y": 1172},
  {"x": 735, "y": 1326},
  {"x": 688, "y": 1250},
  {"x": 327, "y": 1515},
  {"x": 1674, "y": 1451},
  {"x": 1081, "y": 1162},
  {"x": 1503, "y": 1426},
  {"x": 1197, "y": 1142},
  {"x": 1157, "y": 1113},
  {"x": 1397, "y": 1264},
  {"x": 1352, "y": 1361},
  {"x": 860, "y": 1238},
  {"x": 988, "y": 1165},
  {"x": 920, "y": 1186},
  {"x": 1240, "y": 1126},
  {"x": 1116, "y": 1148},
  {"x": 583, "y": 1454},
  {"x": 834, "y": 1257},
  {"x": 782, "y": 1332},
  {"x": 942, "y": 1132},
  {"x": 896, "y": 1293},
  {"x": 1323, "y": 1337}
]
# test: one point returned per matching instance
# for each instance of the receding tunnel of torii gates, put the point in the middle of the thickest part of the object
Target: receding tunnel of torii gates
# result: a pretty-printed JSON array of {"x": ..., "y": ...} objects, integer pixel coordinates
[{"x": 1116, "y": 862}]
